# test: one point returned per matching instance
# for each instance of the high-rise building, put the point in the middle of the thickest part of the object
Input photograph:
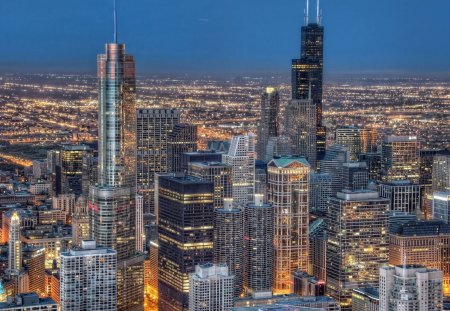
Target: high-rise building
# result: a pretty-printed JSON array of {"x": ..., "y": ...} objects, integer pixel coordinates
[
  {"x": 34, "y": 263},
  {"x": 351, "y": 138},
  {"x": 332, "y": 164},
  {"x": 89, "y": 172},
  {"x": 318, "y": 248},
  {"x": 288, "y": 187},
  {"x": 14, "y": 245},
  {"x": 153, "y": 129},
  {"x": 307, "y": 285},
  {"x": 357, "y": 242},
  {"x": 258, "y": 246},
  {"x": 112, "y": 202},
  {"x": 183, "y": 138},
  {"x": 301, "y": 128},
  {"x": 199, "y": 156},
  {"x": 211, "y": 288},
  {"x": 319, "y": 192},
  {"x": 88, "y": 278},
  {"x": 365, "y": 299},
  {"x": 269, "y": 125},
  {"x": 426, "y": 165},
  {"x": 80, "y": 222},
  {"x": 369, "y": 140},
  {"x": 186, "y": 234},
  {"x": 261, "y": 178},
  {"x": 307, "y": 74},
  {"x": 441, "y": 206},
  {"x": 71, "y": 163},
  {"x": 373, "y": 161},
  {"x": 217, "y": 173},
  {"x": 397, "y": 219},
  {"x": 400, "y": 159},
  {"x": 410, "y": 287},
  {"x": 277, "y": 147},
  {"x": 355, "y": 176},
  {"x": 228, "y": 241},
  {"x": 241, "y": 157},
  {"x": 403, "y": 195},
  {"x": 441, "y": 172},
  {"x": 424, "y": 242}
]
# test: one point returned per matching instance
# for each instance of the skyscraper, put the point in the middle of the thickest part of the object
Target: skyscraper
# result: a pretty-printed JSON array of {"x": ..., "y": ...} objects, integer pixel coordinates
[
  {"x": 153, "y": 129},
  {"x": 112, "y": 202},
  {"x": 183, "y": 138},
  {"x": 288, "y": 185},
  {"x": 269, "y": 125},
  {"x": 88, "y": 278},
  {"x": 357, "y": 242},
  {"x": 241, "y": 157},
  {"x": 15, "y": 245},
  {"x": 350, "y": 137},
  {"x": 355, "y": 176},
  {"x": 332, "y": 164},
  {"x": 186, "y": 234},
  {"x": 400, "y": 159},
  {"x": 410, "y": 287},
  {"x": 441, "y": 172},
  {"x": 228, "y": 238},
  {"x": 211, "y": 288},
  {"x": 71, "y": 163},
  {"x": 441, "y": 206},
  {"x": 301, "y": 128},
  {"x": 307, "y": 74},
  {"x": 403, "y": 195},
  {"x": 258, "y": 246}
]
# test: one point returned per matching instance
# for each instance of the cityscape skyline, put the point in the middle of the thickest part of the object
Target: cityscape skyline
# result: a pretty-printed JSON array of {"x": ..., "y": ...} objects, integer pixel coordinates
[{"x": 225, "y": 38}]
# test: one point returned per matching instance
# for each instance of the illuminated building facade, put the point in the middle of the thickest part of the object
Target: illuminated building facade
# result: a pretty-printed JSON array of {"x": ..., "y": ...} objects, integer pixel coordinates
[
  {"x": 241, "y": 157},
  {"x": 441, "y": 172},
  {"x": 14, "y": 245},
  {"x": 269, "y": 124},
  {"x": 211, "y": 288},
  {"x": 301, "y": 128},
  {"x": 288, "y": 192},
  {"x": 410, "y": 287},
  {"x": 183, "y": 138},
  {"x": 186, "y": 235},
  {"x": 88, "y": 278},
  {"x": 228, "y": 241},
  {"x": 424, "y": 242},
  {"x": 34, "y": 263},
  {"x": 400, "y": 159},
  {"x": 71, "y": 162},
  {"x": 355, "y": 176},
  {"x": 217, "y": 173},
  {"x": 258, "y": 246},
  {"x": 112, "y": 203},
  {"x": 153, "y": 129},
  {"x": 350, "y": 137},
  {"x": 357, "y": 242}
]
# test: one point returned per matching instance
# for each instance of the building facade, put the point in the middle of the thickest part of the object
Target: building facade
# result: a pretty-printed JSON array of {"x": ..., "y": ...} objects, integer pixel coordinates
[{"x": 269, "y": 125}]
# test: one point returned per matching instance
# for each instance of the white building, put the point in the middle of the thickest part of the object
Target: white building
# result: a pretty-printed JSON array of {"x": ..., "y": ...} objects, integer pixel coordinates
[
  {"x": 88, "y": 278},
  {"x": 411, "y": 288},
  {"x": 15, "y": 245},
  {"x": 140, "y": 235},
  {"x": 65, "y": 203},
  {"x": 441, "y": 206},
  {"x": 211, "y": 288},
  {"x": 241, "y": 157}
]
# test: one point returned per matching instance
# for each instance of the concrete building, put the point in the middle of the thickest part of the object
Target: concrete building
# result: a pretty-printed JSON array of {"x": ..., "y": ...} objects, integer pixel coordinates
[
  {"x": 88, "y": 278},
  {"x": 211, "y": 288}
]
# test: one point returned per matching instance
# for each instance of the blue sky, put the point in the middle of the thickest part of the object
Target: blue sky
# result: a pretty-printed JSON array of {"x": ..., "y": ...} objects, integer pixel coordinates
[{"x": 230, "y": 36}]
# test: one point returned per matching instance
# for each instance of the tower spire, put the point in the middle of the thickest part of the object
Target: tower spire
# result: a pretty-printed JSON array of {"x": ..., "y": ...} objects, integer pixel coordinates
[
  {"x": 318, "y": 12},
  {"x": 115, "y": 22},
  {"x": 307, "y": 13}
]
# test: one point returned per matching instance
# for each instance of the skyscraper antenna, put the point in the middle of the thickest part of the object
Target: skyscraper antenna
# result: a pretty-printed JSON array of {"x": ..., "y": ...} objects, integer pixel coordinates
[
  {"x": 307, "y": 13},
  {"x": 318, "y": 12},
  {"x": 115, "y": 22}
]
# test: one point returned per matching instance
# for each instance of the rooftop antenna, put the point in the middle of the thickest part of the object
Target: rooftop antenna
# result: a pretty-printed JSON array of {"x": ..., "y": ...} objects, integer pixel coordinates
[
  {"x": 318, "y": 12},
  {"x": 307, "y": 13},
  {"x": 115, "y": 22}
]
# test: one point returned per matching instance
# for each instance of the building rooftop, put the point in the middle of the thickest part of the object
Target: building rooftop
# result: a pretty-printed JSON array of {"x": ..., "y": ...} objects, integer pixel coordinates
[
  {"x": 423, "y": 228},
  {"x": 285, "y": 161},
  {"x": 370, "y": 292},
  {"x": 280, "y": 302},
  {"x": 27, "y": 300}
]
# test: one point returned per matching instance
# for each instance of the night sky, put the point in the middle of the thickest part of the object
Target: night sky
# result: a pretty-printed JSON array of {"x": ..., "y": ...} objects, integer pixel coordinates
[{"x": 224, "y": 36}]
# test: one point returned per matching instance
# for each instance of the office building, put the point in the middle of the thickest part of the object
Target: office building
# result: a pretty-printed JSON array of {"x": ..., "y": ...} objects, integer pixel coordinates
[
  {"x": 424, "y": 242},
  {"x": 373, "y": 161},
  {"x": 319, "y": 192},
  {"x": 332, "y": 163},
  {"x": 398, "y": 218},
  {"x": 89, "y": 175},
  {"x": 258, "y": 246},
  {"x": 14, "y": 245},
  {"x": 88, "y": 278},
  {"x": 34, "y": 264},
  {"x": 269, "y": 124},
  {"x": 80, "y": 222},
  {"x": 153, "y": 129},
  {"x": 355, "y": 176},
  {"x": 403, "y": 195},
  {"x": 307, "y": 285},
  {"x": 217, "y": 173},
  {"x": 186, "y": 235},
  {"x": 71, "y": 163},
  {"x": 357, "y": 242},
  {"x": 241, "y": 157},
  {"x": 64, "y": 203},
  {"x": 369, "y": 140},
  {"x": 29, "y": 301},
  {"x": 228, "y": 238},
  {"x": 269, "y": 302},
  {"x": 318, "y": 248},
  {"x": 441, "y": 206},
  {"x": 410, "y": 287},
  {"x": 441, "y": 172},
  {"x": 278, "y": 146},
  {"x": 351, "y": 138},
  {"x": 112, "y": 202},
  {"x": 400, "y": 159},
  {"x": 183, "y": 138},
  {"x": 288, "y": 192},
  {"x": 301, "y": 128},
  {"x": 365, "y": 299},
  {"x": 426, "y": 165},
  {"x": 211, "y": 288},
  {"x": 261, "y": 178},
  {"x": 199, "y": 156}
]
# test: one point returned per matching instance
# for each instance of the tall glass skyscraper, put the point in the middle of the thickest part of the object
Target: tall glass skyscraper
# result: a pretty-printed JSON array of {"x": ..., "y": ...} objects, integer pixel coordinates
[
  {"x": 112, "y": 202},
  {"x": 307, "y": 71}
]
